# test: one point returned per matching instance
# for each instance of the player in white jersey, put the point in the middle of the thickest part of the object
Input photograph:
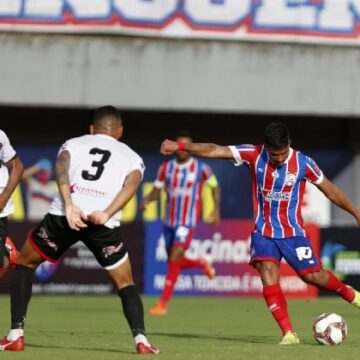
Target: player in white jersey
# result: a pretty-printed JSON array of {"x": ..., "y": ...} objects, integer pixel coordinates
[
  {"x": 8, "y": 182},
  {"x": 97, "y": 175}
]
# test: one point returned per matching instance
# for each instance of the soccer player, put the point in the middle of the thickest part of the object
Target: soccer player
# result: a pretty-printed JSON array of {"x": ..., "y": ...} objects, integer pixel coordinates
[
  {"x": 96, "y": 175},
  {"x": 279, "y": 175},
  {"x": 11, "y": 169},
  {"x": 182, "y": 179}
]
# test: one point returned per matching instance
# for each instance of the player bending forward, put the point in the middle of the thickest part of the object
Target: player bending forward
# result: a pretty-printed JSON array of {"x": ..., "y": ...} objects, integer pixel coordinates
[
  {"x": 97, "y": 176},
  {"x": 279, "y": 174}
]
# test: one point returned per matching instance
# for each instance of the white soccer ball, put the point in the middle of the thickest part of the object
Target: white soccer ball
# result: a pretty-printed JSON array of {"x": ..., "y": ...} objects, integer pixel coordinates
[{"x": 329, "y": 329}]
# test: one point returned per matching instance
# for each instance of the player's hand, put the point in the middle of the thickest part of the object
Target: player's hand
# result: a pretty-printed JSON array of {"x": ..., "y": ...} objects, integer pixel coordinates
[
  {"x": 98, "y": 217},
  {"x": 214, "y": 218},
  {"x": 168, "y": 147},
  {"x": 75, "y": 217},
  {"x": 143, "y": 205}
]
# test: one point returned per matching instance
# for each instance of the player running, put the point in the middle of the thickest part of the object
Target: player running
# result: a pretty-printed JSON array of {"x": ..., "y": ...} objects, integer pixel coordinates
[
  {"x": 97, "y": 175},
  {"x": 182, "y": 178},
  {"x": 279, "y": 175}
]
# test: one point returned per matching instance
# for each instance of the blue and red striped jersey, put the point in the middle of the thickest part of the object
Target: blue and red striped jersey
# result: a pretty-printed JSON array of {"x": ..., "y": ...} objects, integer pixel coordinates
[
  {"x": 183, "y": 184},
  {"x": 278, "y": 192}
]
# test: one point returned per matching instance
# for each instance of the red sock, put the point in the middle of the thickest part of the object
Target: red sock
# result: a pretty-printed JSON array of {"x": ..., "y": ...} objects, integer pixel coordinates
[
  {"x": 186, "y": 263},
  {"x": 170, "y": 281},
  {"x": 337, "y": 286},
  {"x": 276, "y": 303}
]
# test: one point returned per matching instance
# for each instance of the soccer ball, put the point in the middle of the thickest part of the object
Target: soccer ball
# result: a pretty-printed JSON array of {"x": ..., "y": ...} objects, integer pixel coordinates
[{"x": 329, "y": 329}]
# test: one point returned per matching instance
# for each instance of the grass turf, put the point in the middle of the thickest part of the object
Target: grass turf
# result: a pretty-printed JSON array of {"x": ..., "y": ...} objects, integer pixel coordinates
[{"x": 92, "y": 327}]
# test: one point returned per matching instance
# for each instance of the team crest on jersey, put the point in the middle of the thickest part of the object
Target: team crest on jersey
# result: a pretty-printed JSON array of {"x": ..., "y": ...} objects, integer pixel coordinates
[
  {"x": 290, "y": 179},
  {"x": 275, "y": 174}
]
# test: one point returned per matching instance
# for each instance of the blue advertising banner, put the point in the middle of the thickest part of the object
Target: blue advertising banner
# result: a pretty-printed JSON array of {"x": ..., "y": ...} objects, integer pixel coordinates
[{"x": 228, "y": 245}]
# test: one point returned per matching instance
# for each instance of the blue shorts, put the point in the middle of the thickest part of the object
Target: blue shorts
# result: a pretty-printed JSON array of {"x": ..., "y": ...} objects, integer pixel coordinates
[
  {"x": 178, "y": 236},
  {"x": 296, "y": 250}
]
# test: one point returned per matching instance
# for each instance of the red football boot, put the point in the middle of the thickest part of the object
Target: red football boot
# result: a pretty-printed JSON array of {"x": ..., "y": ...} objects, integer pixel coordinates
[
  {"x": 143, "y": 349},
  {"x": 15, "y": 345},
  {"x": 12, "y": 250}
]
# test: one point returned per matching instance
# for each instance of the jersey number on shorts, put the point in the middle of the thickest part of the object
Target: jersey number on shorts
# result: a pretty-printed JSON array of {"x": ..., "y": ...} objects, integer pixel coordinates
[{"x": 99, "y": 165}]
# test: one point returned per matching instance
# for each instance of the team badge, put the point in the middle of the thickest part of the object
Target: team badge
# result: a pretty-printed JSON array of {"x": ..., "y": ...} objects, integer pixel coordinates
[{"x": 290, "y": 179}]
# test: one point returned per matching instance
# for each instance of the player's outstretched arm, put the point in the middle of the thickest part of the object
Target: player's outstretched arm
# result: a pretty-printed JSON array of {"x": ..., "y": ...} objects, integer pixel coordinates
[
  {"x": 129, "y": 189},
  {"x": 206, "y": 150},
  {"x": 339, "y": 198},
  {"x": 16, "y": 169},
  {"x": 74, "y": 215}
]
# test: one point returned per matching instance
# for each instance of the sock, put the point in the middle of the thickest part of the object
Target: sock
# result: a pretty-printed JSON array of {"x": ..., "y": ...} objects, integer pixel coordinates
[
  {"x": 170, "y": 281},
  {"x": 141, "y": 339},
  {"x": 337, "y": 286},
  {"x": 186, "y": 263},
  {"x": 20, "y": 292},
  {"x": 276, "y": 303},
  {"x": 133, "y": 309},
  {"x": 14, "y": 334}
]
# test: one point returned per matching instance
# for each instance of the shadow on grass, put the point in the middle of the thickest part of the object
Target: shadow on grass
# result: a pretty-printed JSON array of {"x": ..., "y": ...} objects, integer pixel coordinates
[
  {"x": 254, "y": 339},
  {"x": 249, "y": 339},
  {"x": 67, "y": 347}
]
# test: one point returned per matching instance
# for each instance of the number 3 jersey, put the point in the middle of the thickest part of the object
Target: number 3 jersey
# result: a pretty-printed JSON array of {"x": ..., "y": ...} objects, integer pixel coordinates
[
  {"x": 277, "y": 191},
  {"x": 183, "y": 184},
  {"x": 99, "y": 165}
]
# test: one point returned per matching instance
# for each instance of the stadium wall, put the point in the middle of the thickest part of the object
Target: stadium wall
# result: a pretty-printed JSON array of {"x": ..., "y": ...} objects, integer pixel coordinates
[{"x": 181, "y": 75}]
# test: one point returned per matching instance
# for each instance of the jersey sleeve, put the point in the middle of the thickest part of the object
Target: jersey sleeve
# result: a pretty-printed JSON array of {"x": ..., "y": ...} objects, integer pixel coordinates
[
  {"x": 6, "y": 150},
  {"x": 244, "y": 153},
  {"x": 137, "y": 164},
  {"x": 208, "y": 177},
  {"x": 312, "y": 171},
  {"x": 159, "y": 182}
]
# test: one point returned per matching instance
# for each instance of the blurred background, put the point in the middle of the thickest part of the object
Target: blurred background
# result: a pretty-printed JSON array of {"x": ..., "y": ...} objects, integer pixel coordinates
[{"x": 221, "y": 69}]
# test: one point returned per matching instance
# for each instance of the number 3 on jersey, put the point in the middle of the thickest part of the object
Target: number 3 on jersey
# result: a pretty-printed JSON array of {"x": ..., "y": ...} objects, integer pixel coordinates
[{"x": 98, "y": 165}]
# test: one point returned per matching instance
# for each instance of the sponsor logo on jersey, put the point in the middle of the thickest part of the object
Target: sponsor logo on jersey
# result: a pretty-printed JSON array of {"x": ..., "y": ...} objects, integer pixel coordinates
[
  {"x": 83, "y": 190},
  {"x": 277, "y": 196}
]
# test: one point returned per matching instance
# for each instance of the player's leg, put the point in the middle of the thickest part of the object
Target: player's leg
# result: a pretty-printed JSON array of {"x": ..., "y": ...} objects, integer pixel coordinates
[
  {"x": 45, "y": 242},
  {"x": 4, "y": 262},
  {"x": 108, "y": 248},
  {"x": 132, "y": 305},
  {"x": 301, "y": 257},
  {"x": 205, "y": 264},
  {"x": 325, "y": 279},
  {"x": 266, "y": 258},
  {"x": 20, "y": 294}
]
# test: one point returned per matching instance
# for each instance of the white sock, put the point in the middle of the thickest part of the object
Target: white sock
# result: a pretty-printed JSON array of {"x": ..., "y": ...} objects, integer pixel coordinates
[
  {"x": 14, "y": 334},
  {"x": 141, "y": 339}
]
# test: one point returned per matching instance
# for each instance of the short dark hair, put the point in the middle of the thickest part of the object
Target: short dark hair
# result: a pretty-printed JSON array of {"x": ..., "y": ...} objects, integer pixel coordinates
[
  {"x": 183, "y": 133},
  {"x": 277, "y": 135},
  {"x": 104, "y": 112}
]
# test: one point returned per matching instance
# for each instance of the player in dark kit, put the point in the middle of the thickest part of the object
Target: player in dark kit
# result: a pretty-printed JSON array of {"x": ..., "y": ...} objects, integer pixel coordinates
[
  {"x": 97, "y": 175},
  {"x": 279, "y": 174}
]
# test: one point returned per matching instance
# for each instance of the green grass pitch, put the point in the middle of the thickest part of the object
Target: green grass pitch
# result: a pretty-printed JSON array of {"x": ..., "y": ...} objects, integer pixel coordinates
[{"x": 93, "y": 327}]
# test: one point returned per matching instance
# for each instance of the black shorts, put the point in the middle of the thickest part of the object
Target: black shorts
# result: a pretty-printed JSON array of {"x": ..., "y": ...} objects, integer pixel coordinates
[
  {"x": 3, "y": 232},
  {"x": 53, "y": 236}
]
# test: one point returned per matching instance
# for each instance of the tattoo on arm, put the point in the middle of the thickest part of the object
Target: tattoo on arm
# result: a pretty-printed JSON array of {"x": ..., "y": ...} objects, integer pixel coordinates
[{"x": 62, "y": 167}]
